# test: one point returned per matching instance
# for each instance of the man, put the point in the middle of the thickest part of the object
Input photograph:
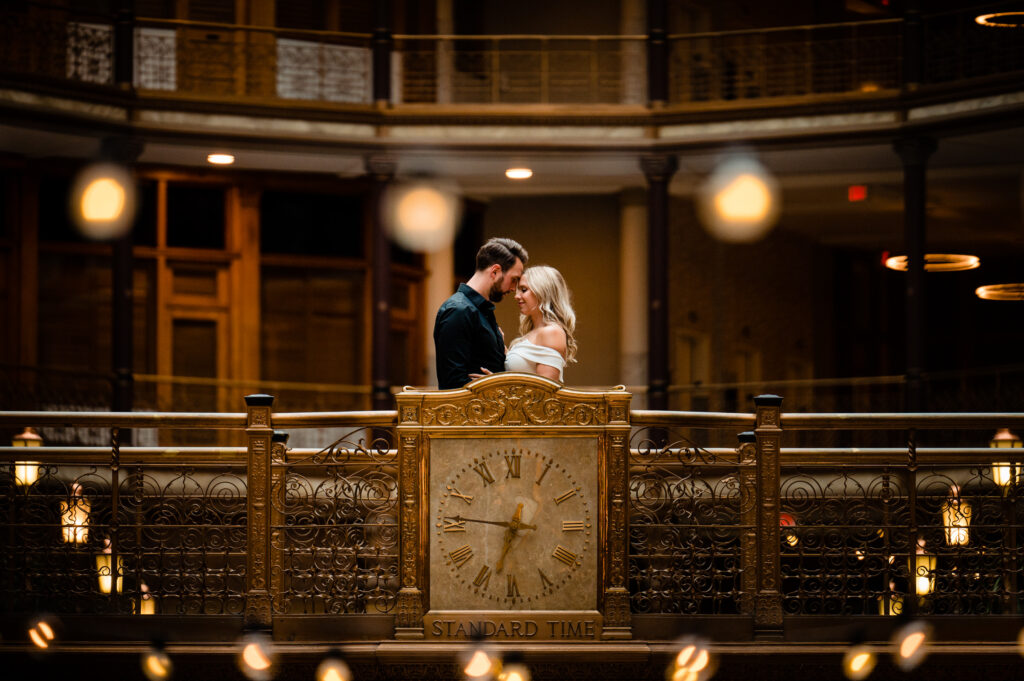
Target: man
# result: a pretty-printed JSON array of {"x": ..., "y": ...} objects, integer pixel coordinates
[{"x": 466, "y": 334}]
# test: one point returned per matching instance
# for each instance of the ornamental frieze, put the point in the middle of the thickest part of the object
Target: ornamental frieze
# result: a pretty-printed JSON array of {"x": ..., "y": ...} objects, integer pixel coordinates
[{"x": 515, "y": 405}]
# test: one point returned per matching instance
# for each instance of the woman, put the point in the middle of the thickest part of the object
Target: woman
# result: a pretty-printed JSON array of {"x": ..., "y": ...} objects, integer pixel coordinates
[{"x": 546, "y": 325}]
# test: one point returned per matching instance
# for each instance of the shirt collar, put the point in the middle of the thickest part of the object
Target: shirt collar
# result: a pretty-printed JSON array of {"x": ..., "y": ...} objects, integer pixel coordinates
[{"x": 475, "y": 298}]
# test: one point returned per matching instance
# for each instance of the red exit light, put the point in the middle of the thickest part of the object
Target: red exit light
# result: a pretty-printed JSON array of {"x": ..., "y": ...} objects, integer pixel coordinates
[{"x": 857, "y": 192}]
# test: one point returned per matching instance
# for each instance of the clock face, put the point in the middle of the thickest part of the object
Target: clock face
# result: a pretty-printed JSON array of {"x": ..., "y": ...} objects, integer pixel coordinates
[{"x": 514, "y": 526}]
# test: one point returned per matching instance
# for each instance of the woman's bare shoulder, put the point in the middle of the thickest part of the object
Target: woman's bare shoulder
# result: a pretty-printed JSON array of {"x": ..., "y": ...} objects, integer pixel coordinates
[{"x": 551, "y": 336}]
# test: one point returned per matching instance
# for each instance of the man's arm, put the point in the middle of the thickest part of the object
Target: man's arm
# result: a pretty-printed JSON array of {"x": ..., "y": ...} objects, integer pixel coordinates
[{"x": 453, "y": 343}]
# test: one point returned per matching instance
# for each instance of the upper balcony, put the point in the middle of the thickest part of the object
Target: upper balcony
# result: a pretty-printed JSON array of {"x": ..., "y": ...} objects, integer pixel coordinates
[{"x": 167, "y": 77}]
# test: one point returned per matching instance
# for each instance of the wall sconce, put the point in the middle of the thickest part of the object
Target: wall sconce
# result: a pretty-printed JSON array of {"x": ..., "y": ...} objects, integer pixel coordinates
[
  {"x": 26, "y": 472},
  {"x": 924, "y": 570},
  {"x": 74, "y": 516},
  {"x": 103, "y": 569},
  {"x": 956, "y": 517},
  {"x": 1004, "y": 473}
]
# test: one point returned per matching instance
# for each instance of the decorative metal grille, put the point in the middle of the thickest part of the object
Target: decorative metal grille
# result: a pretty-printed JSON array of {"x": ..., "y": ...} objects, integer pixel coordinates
[
  {"x": 335, "y": 527},
  {"x": 688, "y": 512},
  {"x": 175, "y": 532},
  {"x": 90, "y": 52},
  {"x": 860, "y": 543}
]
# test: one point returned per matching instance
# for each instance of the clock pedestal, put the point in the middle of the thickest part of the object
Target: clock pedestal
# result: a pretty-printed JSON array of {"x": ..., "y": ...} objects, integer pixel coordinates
[{"x": 512, "y": 520}]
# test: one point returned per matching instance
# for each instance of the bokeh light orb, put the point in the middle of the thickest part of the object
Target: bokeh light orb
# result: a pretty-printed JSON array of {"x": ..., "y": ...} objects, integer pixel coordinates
[
  {"x": 157, "y": 665},
  {"x": 422, "y": 216},
  {"x": 333, "y": 668},
  {"x": 739, "y": 201},
  {"x": 858, "y": 662},
  {"x": 256, "y": 657},
  {"x": 693, "y": 661},
  {"x": 103, "y": 201}
]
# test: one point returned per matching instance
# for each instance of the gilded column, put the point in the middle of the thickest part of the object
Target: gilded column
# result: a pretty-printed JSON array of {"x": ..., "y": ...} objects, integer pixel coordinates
[
  {"x": 258, "y": 433},
  {"x": 768, "y": 439},
  {"x": 617, "y": 618}
]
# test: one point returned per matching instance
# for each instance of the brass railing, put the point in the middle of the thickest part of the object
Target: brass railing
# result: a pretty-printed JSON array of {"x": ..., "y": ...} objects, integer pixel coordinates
[
  {"x": 240, "y": 63},
  {"x": 760, "y": 530}
]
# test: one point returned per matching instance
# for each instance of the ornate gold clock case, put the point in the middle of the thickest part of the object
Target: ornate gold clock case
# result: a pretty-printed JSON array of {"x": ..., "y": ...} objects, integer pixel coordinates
[{"x": 513, "y": 503}]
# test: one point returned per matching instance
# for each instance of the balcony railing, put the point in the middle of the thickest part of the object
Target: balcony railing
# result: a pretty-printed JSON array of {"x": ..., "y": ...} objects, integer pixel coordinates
[
  {"x": 756, "y": 534},
  {"x": 265, "y": 64}
]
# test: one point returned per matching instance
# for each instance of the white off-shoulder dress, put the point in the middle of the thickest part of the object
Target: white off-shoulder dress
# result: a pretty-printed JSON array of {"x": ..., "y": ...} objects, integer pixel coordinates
[{"x": 524, "y": 357}]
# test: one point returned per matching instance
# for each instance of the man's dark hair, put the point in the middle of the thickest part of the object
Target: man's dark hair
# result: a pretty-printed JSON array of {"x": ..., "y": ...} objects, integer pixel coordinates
[{"x": 500, "y": 251}]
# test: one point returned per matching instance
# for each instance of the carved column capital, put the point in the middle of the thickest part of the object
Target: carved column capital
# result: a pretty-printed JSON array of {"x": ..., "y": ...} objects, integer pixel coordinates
[{"x": 659, "y": 167}]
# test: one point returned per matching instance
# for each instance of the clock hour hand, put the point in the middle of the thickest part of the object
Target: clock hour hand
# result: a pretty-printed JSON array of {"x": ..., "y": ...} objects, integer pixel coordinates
[{"x": 500, "y": 523}]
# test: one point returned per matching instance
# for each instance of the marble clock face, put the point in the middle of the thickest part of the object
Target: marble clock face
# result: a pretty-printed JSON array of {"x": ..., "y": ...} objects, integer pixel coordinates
[{"x": 513, "y": 524}]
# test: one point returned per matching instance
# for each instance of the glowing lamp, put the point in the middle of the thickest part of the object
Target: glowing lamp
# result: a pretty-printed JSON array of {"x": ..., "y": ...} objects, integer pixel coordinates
[
  {"x": 857, "y": 192},
  {"x": 220, "y": 159},
  {"x": 1004, "y": 473},
  {"x": 956, "y": 518},
  {"x": 74, "y": 515},
  {"x": 421, "y": 216},
  {"x": 858, "y": 662},
  {"x": 1001, "y": 19},
  {"x": 923, "y": 564},
  {"x": 26, "y": 472},
  {"x": 788, "y": 520},
  {"x": 739, "y": 201},
  {"x": 147, "y": 603},
  {"x": 103, "y": 569},
  {"x": 103, "y": 201},
  {"x": 519, "y": 173}
]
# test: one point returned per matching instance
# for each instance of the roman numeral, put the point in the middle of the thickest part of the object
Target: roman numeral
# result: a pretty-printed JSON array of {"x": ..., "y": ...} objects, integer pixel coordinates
[
  {"x": 468, "y": 498},
  {"x": 513, "y": 588},
  {"x": 543, "y": 473},
  {"x": 512, "y": 463},
  {"x": 570, "y": 493},
  {"x": 483, "y": 577},
  {"x": 456, "y": 525},
  {"x": 544, "y": 579},
  {"x": 484, "y": 472},
  {"x": 572, "y": 526},
  {"x": 565, "y": 555},
  {"x": 462, "y": 554}
]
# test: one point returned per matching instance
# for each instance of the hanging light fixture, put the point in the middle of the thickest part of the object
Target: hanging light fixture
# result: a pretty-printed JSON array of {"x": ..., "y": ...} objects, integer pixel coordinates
[
  {"x": 1004, "y": 473},
  {"x": 1000, "y": 292},
  {"x": 956, "y": 518},
  {"x": 26, "y": 472},
  {"x": 74, "y": 515},
  {"x": 105, "y": 571},
  {"x": 937, "y": 262},
  {"x": 923, "y": 564}
]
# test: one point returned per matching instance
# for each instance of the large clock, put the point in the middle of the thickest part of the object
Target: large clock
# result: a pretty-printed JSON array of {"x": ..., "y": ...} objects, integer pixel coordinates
[
  {"x": 512, "y": 500},
  {"x": 513, "y": 524}
]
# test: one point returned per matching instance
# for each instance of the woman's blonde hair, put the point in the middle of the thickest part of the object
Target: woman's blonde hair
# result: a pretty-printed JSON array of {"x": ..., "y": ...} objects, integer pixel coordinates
[{"x": 555, "y": 303}]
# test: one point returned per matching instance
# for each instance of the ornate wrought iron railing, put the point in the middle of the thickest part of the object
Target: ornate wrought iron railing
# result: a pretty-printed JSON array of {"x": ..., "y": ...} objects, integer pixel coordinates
[
  {"x": 239, "y": 63},
  {"x": 776, "y": 531},
  {"x": 762, "y": 531}
]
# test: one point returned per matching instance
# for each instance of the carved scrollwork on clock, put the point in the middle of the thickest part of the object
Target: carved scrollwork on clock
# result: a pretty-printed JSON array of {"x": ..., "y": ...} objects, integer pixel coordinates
[{"x": 516, "y": 405}]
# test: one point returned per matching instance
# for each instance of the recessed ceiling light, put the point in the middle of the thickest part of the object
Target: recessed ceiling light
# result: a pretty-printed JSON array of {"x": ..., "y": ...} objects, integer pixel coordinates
[
  {"x": 519, "y": 173},
  {"x": 221, "y": 159}
]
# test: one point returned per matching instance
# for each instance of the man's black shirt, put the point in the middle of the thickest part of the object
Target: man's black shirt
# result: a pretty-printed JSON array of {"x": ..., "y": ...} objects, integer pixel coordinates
[{"x": 466, "y": 338}]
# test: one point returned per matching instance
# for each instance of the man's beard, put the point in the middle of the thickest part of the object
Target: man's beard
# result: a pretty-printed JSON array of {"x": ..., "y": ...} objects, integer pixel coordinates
[{"x": 496, "y": 294}]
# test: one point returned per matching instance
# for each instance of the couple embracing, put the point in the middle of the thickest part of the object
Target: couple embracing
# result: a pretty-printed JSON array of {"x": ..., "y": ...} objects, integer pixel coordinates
[{"x": 467, "y": 340}]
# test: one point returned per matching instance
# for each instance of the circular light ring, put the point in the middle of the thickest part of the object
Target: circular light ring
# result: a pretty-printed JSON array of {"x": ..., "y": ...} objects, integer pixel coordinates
[
  {"x": 1000, "y": 292},
  {"x": 937, "y": 262},
  {"x": 1001, "y": 19}
]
